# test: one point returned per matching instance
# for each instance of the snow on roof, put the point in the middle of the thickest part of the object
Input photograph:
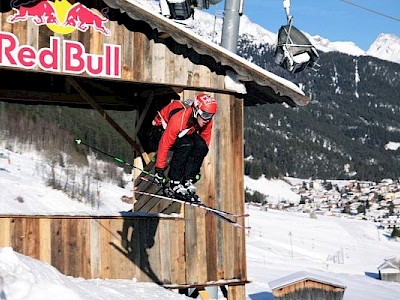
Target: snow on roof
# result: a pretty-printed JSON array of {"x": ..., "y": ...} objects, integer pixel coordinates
[
  {"x": 301, "y": 276},
  {"x": 387, "y": 265},
  {"x": 247, "y": 71}
]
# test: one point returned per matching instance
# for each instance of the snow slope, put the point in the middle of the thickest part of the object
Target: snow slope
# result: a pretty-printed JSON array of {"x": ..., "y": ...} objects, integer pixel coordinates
[{"x": 279, "y": 243}]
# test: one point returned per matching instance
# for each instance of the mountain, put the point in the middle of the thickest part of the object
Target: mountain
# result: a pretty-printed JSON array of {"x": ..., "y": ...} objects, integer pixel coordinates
[
  {"x": 386, "y": 46},
  {"x": 325, "y": 45},
  {"x": 345, "y": 131}
]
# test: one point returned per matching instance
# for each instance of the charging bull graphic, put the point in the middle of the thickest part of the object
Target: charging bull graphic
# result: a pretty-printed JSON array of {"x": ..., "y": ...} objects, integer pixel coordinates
[
  {"x": 40, "y": 13},
  {"x": 80, "y": 17},
  {"x": 60, "y": 16}
]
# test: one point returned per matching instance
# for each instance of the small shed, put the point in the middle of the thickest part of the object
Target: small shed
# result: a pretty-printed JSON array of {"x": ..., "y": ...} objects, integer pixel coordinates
[
  {"x": 389, "y": 270},
  {"x": 306, "y": 286}
]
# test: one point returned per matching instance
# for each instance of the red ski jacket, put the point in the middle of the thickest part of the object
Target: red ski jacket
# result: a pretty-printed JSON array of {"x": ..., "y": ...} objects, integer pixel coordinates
[
  {"x": 163, "y": 116},
  {"x": 179, "y": 124}
]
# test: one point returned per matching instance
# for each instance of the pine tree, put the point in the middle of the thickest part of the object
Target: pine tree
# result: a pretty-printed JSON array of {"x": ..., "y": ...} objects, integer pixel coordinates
[{"x": 395, "y": 232}]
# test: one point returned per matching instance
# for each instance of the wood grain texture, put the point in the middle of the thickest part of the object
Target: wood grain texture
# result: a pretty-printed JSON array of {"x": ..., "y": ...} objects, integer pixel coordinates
[{"x": 195, "y": 250}]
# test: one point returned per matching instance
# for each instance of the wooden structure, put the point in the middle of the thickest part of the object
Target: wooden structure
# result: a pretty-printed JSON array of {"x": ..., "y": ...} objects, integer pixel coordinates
[
  {"x": 389, "y": 270},
  {"x": 67, "y": 53},
  {"x": 307, "y": 286}
]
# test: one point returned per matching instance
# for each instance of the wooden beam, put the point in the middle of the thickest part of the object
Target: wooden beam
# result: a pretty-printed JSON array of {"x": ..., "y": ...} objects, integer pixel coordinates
[
  {"x": 58, "y": 98},
  {"x": 144, "y": 113},
  {"x": 108, "y": 118}
]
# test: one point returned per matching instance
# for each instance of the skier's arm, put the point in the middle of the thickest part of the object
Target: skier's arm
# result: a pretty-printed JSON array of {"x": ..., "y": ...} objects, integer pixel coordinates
[
  {"x": 167, "y": 140},
  {"x": 206, "y": 133}
]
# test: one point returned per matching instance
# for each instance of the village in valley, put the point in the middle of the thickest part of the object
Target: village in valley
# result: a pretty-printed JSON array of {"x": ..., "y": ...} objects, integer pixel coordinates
[{"x": 366, "y": 200}]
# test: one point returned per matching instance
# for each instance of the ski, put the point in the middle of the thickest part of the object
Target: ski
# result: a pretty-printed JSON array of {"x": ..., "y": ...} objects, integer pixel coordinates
[
  {"x": 226, "y": 213},
  {"x": 220, "y": 214}
]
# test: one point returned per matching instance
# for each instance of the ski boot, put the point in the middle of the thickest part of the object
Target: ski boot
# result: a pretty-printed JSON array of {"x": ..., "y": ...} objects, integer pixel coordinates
[
  {"x": 176, "y": 190},
  {"x": 185, "y": 192},
  {"x": 191, "y": 192}
]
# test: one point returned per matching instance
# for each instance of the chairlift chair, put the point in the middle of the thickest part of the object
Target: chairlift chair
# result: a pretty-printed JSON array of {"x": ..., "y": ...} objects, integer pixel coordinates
[{"x": 294, "y": 52}]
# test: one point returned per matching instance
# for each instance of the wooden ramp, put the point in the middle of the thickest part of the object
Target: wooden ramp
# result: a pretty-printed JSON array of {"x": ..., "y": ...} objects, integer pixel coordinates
[{"x": 149, "y": 204}]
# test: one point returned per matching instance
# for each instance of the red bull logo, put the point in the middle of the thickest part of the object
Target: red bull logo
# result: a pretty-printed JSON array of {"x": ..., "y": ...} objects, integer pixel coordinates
[
  {"x": 65, "y": 56},
  {"x": 60, "y": 16},
  {"x": 75, "y": 59}
]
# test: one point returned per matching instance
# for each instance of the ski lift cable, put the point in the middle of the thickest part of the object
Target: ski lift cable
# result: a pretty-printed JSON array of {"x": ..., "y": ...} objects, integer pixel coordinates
[
  {"x": 286, "y": 6},
  {"x": 371, "y": 10},
  {"x": 289, "y": 17}
]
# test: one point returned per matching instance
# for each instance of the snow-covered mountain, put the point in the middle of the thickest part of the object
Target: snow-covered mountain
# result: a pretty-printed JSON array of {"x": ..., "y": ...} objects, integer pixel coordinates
[
  {"x": 325, "y": 45},
  {"x": 386, "y": 46}
]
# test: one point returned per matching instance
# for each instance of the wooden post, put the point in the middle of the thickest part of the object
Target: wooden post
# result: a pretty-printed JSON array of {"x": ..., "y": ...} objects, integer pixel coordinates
[
  {"x": 236, "y": 292},
  {"x": 138, "y": 166}
]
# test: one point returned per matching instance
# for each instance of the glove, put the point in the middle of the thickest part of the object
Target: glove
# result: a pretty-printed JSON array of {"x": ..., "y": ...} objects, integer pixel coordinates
[{"x": 159, "y": 176}]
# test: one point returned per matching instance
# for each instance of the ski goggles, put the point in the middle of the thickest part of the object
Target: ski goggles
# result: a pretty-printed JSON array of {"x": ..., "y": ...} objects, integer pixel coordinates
[{"x": 204, "y": 115}]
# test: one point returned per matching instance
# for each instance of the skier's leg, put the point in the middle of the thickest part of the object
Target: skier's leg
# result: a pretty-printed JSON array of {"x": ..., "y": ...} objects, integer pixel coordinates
[
  {"x": 196, "y": 158},
  {"x": 194, "y": 162},
  {"x": 181, "y": 152}
]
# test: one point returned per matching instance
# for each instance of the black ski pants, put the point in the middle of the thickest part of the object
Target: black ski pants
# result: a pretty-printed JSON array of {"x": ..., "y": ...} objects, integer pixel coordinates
[{"x": 189, "y": 152}]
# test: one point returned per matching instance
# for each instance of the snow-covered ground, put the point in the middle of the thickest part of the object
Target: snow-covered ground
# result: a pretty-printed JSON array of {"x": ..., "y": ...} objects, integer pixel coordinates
[{"x": 279, "y": 243}]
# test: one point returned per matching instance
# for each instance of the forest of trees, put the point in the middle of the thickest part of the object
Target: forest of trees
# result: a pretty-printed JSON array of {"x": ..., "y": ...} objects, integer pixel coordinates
[{"x": 340, "y": 134}]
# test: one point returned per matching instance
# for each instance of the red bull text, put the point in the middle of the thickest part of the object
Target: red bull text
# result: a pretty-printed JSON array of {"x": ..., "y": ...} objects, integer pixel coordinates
[{"x": 61, "y": 56}]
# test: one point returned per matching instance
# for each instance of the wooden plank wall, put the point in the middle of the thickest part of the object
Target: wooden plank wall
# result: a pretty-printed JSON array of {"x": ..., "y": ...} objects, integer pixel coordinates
[
  {"x": 208, "y": 248},
  {"x": 309, "y": 289},
  {"x": 210, "y": 240},
  {"x": 229, "y": 184},
  {"x": 163, "y": 250},
  {"x": 148, "y": 249}
]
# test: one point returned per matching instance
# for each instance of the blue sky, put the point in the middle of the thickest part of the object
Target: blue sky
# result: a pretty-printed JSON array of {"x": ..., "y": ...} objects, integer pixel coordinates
[{"x": 335, "y": 20}]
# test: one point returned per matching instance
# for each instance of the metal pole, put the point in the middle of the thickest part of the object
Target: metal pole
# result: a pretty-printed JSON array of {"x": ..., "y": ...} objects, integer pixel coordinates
[
  {"x": 230, "y": 28},
  {"x": 291, "y": 246}
]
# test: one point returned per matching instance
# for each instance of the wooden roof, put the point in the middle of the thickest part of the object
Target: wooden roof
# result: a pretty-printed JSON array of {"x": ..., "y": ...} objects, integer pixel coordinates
[
  {"x": 41, "y": 87},
  {"x": 262, "y": 86}
]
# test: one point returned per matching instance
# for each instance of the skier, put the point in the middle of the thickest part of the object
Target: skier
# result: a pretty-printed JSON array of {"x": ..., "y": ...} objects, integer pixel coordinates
[{"x": 187, "y": 131}]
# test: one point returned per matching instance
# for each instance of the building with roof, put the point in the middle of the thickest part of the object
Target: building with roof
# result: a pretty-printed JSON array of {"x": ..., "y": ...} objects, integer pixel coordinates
[
  {"x": 389, "y": 270},
  {"x": 306, "y": 286}
]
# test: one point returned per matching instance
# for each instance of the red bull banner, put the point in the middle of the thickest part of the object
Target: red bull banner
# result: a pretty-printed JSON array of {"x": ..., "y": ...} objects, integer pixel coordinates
[
  {"x": 65, "y": 56},
  {"x": 62, "y": 56}
]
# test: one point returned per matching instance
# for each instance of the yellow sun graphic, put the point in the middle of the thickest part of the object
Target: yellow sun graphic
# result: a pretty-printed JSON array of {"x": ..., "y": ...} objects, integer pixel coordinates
[{"x": 61, "y": 7}]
